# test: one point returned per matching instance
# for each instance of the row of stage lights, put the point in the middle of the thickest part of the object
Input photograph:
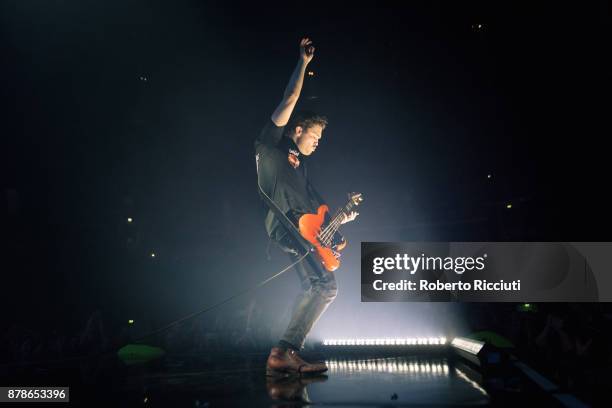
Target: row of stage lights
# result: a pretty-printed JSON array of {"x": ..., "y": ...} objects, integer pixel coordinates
[
  {"x": 415, "y": 341},
  {"x": 382, "y": 366},
  {"x": 427, "y": 370}
]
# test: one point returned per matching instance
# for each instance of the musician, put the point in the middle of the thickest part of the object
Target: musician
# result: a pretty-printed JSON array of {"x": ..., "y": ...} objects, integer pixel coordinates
[{"x": 282, "y": 149}]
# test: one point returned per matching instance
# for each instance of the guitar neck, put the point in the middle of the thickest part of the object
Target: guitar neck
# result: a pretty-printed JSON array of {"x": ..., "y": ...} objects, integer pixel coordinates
[{"x": 335, "y": 221}]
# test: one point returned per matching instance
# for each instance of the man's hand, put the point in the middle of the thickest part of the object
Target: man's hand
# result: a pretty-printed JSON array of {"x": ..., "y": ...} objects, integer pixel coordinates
[
  {"x": 349, "y": 217},
  {"x": 306, "y": 50}
]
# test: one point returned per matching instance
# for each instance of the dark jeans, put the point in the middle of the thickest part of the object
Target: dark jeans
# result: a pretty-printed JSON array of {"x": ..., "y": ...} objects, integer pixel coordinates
[{"x": 319, "y": 289}]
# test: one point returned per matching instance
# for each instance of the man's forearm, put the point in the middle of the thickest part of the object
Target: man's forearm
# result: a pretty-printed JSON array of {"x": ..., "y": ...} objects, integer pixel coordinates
[
  {"x": 283, "y": 111},
  {"x": 294, "y": 87}
]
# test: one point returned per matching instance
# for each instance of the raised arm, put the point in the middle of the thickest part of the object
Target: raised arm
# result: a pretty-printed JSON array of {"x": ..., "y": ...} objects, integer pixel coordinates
[{"x": 282, "y": 113}]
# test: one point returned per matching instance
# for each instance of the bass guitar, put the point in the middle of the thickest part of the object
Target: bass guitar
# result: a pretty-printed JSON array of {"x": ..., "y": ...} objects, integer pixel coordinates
[{"x": 319, "y": 229}]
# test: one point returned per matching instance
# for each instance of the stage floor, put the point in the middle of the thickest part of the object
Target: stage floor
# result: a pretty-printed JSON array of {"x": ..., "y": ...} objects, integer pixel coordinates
[
  {"x": 392, "y": 381},
  {"x": 427, "y": 378}
]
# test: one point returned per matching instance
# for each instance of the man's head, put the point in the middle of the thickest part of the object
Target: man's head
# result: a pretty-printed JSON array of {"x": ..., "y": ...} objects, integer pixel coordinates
[{"x": 305, "y": 129}]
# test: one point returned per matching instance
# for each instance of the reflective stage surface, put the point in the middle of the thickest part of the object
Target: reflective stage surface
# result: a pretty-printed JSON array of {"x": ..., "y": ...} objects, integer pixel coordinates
[{"x": 393, "y": 381}]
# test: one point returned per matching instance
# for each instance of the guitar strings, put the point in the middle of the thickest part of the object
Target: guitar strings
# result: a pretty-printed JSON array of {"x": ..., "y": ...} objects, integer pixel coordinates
[
  {"x": 326, "y": 235},
  {"x": 329, "y": 231}
]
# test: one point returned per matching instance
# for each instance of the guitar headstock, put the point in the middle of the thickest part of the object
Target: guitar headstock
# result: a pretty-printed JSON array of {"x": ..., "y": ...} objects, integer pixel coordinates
[{"x": 355, "y": 198}]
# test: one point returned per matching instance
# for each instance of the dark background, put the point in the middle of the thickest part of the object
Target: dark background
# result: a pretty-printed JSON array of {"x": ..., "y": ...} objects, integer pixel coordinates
[{"x": 149, "y": 110}]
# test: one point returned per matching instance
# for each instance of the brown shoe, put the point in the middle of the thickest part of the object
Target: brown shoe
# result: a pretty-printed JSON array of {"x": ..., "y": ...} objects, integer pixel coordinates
[{"x": 284, "y": 363}]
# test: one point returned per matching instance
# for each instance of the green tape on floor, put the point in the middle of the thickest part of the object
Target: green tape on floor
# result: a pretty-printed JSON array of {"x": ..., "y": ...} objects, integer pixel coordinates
[{"x": 139, "y": 353}]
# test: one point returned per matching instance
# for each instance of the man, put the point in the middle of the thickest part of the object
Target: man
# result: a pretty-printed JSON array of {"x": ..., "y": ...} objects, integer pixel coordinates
[{"x": 281, "y": 161}]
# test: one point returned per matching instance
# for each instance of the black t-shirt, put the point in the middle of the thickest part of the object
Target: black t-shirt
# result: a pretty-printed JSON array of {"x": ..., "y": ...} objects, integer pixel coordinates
[{"x": 282, "y": 178}]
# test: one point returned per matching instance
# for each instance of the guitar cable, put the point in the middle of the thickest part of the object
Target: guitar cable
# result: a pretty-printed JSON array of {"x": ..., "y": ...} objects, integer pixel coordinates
[
  {"x": 284, "y": 220},
  {"x": 290, "y": 227},
  {"x": 161, "y": 329},
  {"x": 235, "y": 295}
]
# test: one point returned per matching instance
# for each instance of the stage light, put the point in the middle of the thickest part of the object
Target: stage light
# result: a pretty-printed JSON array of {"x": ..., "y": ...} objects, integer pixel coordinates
[
  {"x": 477, "y": 352},
  {"x": 489, "y": 176},
  {"x": 414, "y": 368},
  {"x": 508, "y": 206},
  {"x": 421, "y": 341},
  {"x": 527, "y": 307},
  {"x": 310, "y": 73},
  {"x": 130, "y": 321},
  {"x": 129, "y": 219},
  {"x": 468, "y": 345},
  {"x": 152, "y": 254}
]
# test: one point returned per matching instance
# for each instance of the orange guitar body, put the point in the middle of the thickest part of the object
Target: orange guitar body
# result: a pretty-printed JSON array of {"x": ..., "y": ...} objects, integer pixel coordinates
[{"x": 310, "y": 227}]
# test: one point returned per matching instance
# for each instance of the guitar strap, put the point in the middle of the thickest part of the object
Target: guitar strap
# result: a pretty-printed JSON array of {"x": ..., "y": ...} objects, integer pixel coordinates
[
  {"x": 337, "y": 236},
  {"x": 282, "y": 217}
]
